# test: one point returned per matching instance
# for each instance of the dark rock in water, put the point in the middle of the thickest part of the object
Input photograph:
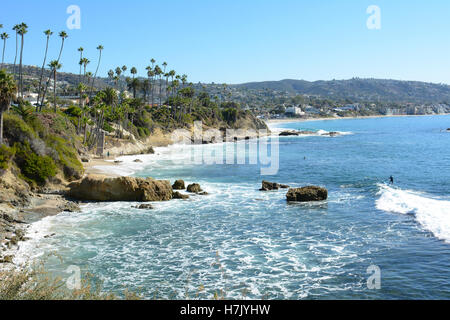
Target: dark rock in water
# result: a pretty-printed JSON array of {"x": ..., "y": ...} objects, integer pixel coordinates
[
  {"x": 145, "y": 206},
  {"x": 268, "y": 186},
  {"x": 204, "y": 193},
  {"x": 296, "y": 133},
  {"x": 118, "y": 161},
  {"x": 307, "y": 194},
  {"x": 178, "y": 195},
  {"x": 179, "y": 185},
  {"x": 137, "y": 161},
  {"x": 150, "y": 151},
  {"x": 194, "y": 188},
  {"x": 288, "y": 133},
  {"x": 331, "y": 134}
]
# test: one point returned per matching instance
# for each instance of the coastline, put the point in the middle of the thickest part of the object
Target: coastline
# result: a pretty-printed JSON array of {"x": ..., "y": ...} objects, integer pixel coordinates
[
  {"x": 53, "y": 203},
  {"x": 293, "y": 120}
]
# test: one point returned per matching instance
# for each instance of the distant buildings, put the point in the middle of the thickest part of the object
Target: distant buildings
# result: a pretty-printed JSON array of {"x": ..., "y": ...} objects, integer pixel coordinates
[{"x": 294, "y": 111}]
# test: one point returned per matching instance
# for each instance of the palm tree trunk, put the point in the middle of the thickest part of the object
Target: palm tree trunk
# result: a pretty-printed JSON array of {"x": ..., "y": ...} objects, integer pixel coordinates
[
  {"x": 61, "y": 50},
  {"x": 160, "y": 91},
  {"x": 95, "y": 75},
  {"x": 3, "y": 55},
  {"x": 20, "y": 68},
  {"x": 15, "y": 57},
  {"x": 42, "y": 71},
  {"x": 54, "y": 90},
  {"x": 50, "y": 76}
]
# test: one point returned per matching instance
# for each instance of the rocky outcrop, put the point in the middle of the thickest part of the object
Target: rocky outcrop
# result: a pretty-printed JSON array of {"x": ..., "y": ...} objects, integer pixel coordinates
[
  {"x": 307, "y": 194},
  {"x": 331, "y": 134},
  {"x": 101, "y": 188},
  {"x": 179, "y": 185},
  {"x": 295, "y": 133},
  {"x": 268, "y": 186},
  {"x": 145, "y": 206},
  {"x": 194, "y": 188},
  {"x": 178, "y": 195}
]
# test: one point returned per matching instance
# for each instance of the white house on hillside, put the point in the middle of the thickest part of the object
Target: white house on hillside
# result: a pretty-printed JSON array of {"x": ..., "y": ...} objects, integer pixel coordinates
[{"x": 295, "y": 111}]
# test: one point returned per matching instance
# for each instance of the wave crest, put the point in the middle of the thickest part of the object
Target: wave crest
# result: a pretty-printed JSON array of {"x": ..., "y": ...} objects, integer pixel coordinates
[{"x": 432, "y": 214}]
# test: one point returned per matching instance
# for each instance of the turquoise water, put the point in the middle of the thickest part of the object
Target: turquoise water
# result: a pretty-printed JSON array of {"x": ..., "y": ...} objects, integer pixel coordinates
[{"x": 251, "y": 244}]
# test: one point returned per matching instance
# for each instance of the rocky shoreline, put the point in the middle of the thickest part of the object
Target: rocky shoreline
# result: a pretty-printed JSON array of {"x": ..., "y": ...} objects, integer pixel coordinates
[{"x": 20, "y": 206}]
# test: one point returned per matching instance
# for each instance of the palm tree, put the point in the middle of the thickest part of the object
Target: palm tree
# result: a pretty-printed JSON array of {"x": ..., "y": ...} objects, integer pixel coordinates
[
  {"x": 158, "y": 73},
  {"x": 172, "y": 74},
  {"x": 80, "y": 50},
  {"x": 85, "y": 62},
  {"x": 81, "y": 88},
  {"x": 63, "y": 35},
  {"x": 111, "y": 75},
  {"x": 54, "y": 67},
  {"x": 47, "y": 33},
  {"x": 16, "y": 29},
  {"x": 133, "y": 71},
  {"x": 4, "y": 37},
  {"x": 22, "y": 31},
  {"x": 100, "y": 49},
  {"x": 8, "y": 89}
]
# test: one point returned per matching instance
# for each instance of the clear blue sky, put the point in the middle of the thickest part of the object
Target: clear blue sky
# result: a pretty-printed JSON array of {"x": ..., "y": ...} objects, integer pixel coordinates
[{"x": 238, "y": 41}]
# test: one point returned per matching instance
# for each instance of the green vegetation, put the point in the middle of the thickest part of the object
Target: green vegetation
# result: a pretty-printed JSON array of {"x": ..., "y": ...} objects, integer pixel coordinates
[
  {"x": 43, "y": 141},
  {"x": 40, "y": 147},
  {"x": 37, "y": 284},
  {"x": 6, "y": 154}
]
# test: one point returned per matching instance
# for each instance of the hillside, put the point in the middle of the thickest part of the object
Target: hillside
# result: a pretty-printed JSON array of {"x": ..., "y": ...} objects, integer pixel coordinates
[{"x": 358, "y": 89}]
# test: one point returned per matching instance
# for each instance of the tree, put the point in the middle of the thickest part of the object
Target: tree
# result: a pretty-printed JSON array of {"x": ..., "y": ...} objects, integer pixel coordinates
[
  {"x": 4, "y": 37},
  {"x": 54, "y": 67},
  {"x": 47, "y": 33},
  {"x": 133, "y": 71},
  {"x": 8, "y": 89},
  {"x": 63, "y": 35},
  {"x": 158, "y": 73},
  {"x": 22, "y": 31},
  {"x": 100, "y": 49},
  {"x": 80, "y": 50},
  {"x": 16, "y": 30}
]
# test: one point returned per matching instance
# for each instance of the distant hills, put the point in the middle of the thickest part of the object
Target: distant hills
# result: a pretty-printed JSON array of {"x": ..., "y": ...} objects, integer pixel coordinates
[
  {"x": 354, "y": 90},
  {"x": 359, "y": 89}
]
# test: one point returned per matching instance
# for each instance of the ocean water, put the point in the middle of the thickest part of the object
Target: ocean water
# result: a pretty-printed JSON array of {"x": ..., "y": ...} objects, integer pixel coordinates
[{"x": 242, "y": 243}]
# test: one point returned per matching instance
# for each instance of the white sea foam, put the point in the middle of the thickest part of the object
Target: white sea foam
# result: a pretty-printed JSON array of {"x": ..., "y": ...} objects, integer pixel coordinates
[{"x": 432, "y": 214}]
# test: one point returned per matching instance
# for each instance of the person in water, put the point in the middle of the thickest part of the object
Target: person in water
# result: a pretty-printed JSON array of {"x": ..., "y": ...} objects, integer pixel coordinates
[{"x": 391, "y": 179}]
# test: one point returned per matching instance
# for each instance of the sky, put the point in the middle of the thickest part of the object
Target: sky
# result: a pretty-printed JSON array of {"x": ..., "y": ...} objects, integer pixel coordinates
[{"x": 237, "y": 41}]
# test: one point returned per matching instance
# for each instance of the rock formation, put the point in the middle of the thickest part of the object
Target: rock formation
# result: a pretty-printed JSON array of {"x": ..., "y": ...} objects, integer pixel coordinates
[
  {"x": 307, "y": 194},
  {"x": 101, "y": 188}
]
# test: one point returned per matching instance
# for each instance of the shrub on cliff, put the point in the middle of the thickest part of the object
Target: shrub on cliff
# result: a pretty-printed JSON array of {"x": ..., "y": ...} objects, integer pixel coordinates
[
  {"x": 34, "y": 167},
  {"x": 41, "y": 147},
  {"x": 6, "y": 154}
]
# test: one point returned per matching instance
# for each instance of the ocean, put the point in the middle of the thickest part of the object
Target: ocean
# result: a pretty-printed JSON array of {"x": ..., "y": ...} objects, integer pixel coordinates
[{"x": 241, "y": 243}]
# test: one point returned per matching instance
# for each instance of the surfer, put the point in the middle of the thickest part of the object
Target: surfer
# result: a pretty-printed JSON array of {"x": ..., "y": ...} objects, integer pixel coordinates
[{"x": 391, "y": 179}]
